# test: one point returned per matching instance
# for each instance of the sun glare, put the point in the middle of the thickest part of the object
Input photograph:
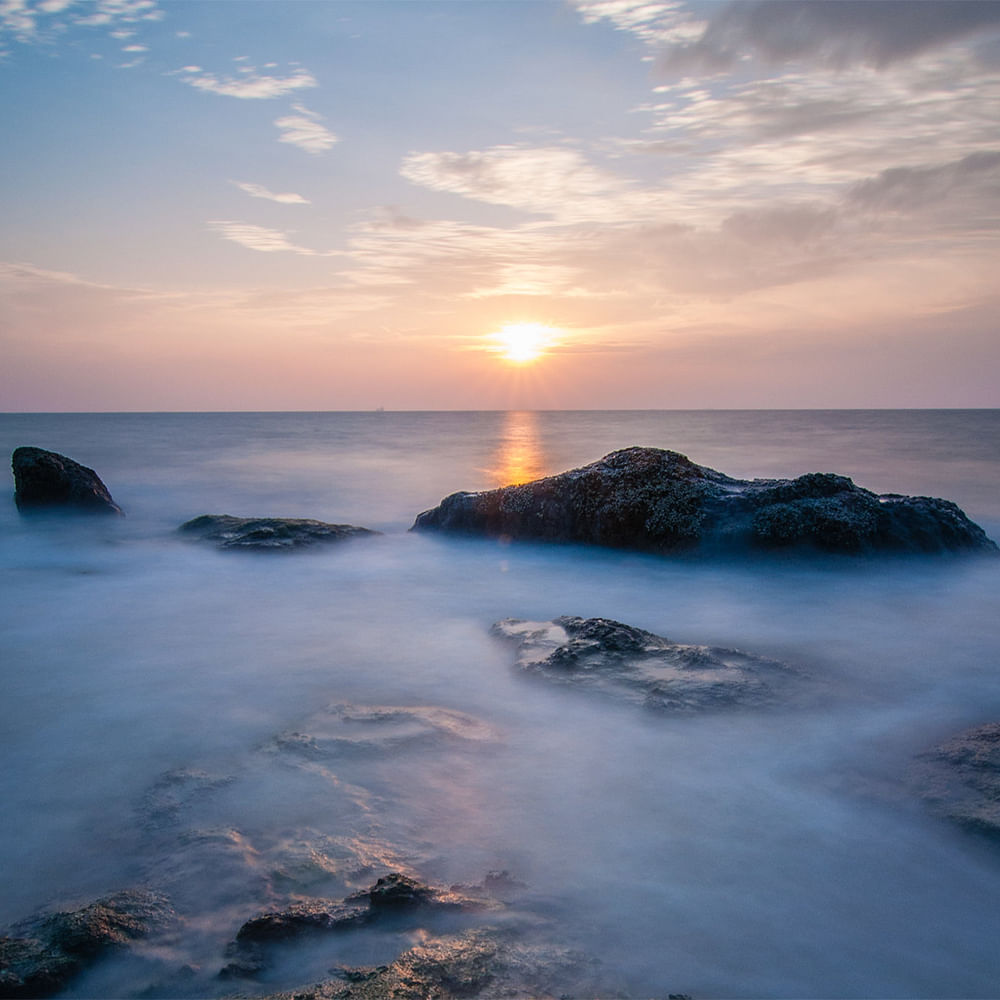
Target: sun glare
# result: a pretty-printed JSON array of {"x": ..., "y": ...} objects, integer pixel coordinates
[{"x": 522, "y": 343}]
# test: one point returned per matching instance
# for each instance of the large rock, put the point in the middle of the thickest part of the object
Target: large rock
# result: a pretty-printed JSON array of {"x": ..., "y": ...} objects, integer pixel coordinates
[
  {"x": 44, "y": 480},
  {"x": 48, "y": 952},
  {"x": 632, "y": 664},
  {"x": 269, "y": 534},
  {"x": 660, "y": 501},
  {"x": 960, "y": 779}
]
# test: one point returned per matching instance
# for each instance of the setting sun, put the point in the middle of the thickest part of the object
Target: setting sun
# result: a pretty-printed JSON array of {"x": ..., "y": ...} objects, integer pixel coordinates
[{"x": 522, "y": 343}]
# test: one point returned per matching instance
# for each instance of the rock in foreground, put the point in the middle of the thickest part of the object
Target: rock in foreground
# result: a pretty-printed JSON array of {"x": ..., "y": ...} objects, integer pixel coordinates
[
  {"x": 482, "y": 963},
  {"x": 960, "y": 779},
  {"x": 45, "y": 480},
  {"x": 638, "y": 666},
  {"x": 48, "y": 952},
  {"x": 660, "y": 501},
  {"x": 269, "y": 534}
]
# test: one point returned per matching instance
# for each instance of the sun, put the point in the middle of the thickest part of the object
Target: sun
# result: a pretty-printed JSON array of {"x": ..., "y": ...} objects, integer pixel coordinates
[{"x": 522, "y": 343}]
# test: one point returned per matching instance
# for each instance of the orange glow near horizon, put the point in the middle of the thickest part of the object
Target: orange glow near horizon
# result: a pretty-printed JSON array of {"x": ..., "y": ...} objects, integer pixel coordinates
[{"x": 523, "y": 343}]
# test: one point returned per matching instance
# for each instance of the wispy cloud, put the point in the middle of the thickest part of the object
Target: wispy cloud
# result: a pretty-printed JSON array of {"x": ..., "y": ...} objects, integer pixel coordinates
[
  {"x": 113, "y": 12},
  {"x": 259, "y": 191},
  {"x": 258, "y": 238},
  {"x": 304, "y": 129},
  {"x": 550, "y": 180},
  {"x": 251, "y": 85},
  {"x": 656, "y": 23},
  {"x": 32, "y": 21}
]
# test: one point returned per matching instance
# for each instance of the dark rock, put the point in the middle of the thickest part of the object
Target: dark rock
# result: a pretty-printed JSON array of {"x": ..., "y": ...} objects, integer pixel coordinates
[
  {"x": 660, "y": 501},
  {"x": 303, "y": 919},
  {"x": 960, "y": 779},
  {"x": 44, "y": 480},
  {"x": 269, "y": 534},
  {"x": 51, "y": 950},
  {"x": 638, "y": 666},
  {"x": 392, "y": 897},
  {"x": 398, "y": 891}
]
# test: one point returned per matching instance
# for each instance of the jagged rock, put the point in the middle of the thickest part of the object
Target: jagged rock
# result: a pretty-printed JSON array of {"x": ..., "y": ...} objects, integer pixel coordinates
[
  {"x": 960, "y": 779},
  {"x": 660, "y": 501},
  {"x": 49, "y": 951},
  {"x": 638, "y": 666},
  {"x": 269, "y": 534},
  {"x": 481, "y": 963},
  {"x": 45, "y": 480}
]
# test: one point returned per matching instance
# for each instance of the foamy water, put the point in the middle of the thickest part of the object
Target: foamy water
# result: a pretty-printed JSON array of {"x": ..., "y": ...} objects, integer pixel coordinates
[{"x": 154, "y": 691}]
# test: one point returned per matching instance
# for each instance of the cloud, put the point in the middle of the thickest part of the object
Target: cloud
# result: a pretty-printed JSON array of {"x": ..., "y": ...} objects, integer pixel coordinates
[
  {"x": 259, "y": 191},
  {"x": 550, "y": 180},
  {"x": 258, "y": 238},
  {"x": 303, "y": 129},
  {"x": 912, "y": 188},
  {"x": 114, "y": 12},
  {"x": 838, "y": 34},
  {"x": 656, "y": 23},
  {"x": 250, "y": 86}
]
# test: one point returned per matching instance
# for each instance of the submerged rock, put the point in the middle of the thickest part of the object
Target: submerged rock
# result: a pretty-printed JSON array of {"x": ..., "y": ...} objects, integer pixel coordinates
[
  {"x": 661, "y": 501},
  {"x": 45, "y": 480},
  {"x": 269, "y": 534},
  {"x": 638, "y": 666},
  {"x": 49, "y": 951},
  {"x": 960, "y": 779},
  {"x": 375, "y": 729}
]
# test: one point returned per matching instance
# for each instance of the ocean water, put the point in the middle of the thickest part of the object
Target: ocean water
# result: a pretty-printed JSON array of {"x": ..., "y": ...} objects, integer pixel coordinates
[{"x": 156, "y": 693}]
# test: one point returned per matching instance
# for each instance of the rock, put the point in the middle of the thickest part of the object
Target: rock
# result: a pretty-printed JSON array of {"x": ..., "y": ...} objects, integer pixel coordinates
[
  {"x": 43, "y": 480},
  {"x": 269, "y": 534},
  {"x": 638, "y": 666},
  {"x": 391, "y": 897},
  {"x": 960, "y": 779},
  {"x": 660, "y": 501},
  {"x": 481, "y": 963},
  {"x": 51, "y": 950},
  {"x": 343, "y": 728}
]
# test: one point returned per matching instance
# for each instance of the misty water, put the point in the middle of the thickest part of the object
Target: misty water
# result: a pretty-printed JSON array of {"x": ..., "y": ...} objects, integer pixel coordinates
[{"x": 153, "y": 687}]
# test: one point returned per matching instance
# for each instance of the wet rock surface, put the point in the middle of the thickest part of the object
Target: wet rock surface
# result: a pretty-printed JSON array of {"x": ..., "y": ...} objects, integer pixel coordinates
[
  {"x": 660, "y": 501},
  {"x": 638, "y": 666},
  {"x": 483, "y": 963},
  {"x": 44, "y": 954},
  {"x": 45, "y": 480},
  {"x": 960, "y": 779},
  {"x": 269, "y": 534}
]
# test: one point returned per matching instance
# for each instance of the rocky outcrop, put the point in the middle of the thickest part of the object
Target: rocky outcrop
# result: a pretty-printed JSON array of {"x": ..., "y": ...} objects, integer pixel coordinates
[
  {"x": 47, "y": 953},
  {"x": 269, "y": 534},
  {"x": 660, "y": 501},
  {"x": 960, "y": 779},
  {"x": 628, "y": 663},
  {"x": 44, "y": 480}
]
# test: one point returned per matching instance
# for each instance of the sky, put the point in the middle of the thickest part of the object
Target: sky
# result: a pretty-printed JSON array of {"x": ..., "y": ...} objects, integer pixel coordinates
[{"x": 319, "y": 205}]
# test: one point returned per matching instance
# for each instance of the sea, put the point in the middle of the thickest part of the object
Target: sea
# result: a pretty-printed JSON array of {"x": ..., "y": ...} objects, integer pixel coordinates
[{"x": 241, "y": 731}]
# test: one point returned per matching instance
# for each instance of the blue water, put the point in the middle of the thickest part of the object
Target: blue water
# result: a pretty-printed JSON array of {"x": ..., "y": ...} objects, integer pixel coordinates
[{"x": 778, "y": 854}]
